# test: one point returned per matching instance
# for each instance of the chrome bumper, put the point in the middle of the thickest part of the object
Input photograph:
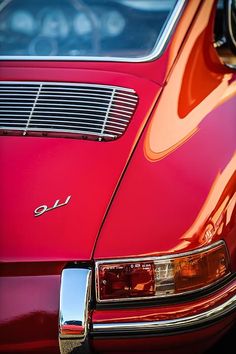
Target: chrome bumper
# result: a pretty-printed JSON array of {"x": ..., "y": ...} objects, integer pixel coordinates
[
  {"x": 74, "y": 310},
  {"x": 74, "y": 322},
  {"x": 168, "y": 325}
]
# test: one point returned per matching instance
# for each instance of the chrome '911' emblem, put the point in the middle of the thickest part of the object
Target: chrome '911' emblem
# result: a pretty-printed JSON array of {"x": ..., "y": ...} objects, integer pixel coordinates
[{"x": 43, "y": 208}]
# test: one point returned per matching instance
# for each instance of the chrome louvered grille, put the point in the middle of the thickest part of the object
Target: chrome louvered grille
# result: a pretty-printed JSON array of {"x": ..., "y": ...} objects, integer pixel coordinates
[{"x": 65, "y": 109}]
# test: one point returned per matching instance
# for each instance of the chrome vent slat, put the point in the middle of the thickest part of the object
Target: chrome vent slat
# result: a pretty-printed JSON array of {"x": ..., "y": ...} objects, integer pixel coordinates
[
  {"x": 127, "y": 97},
  {"x": 79, "y": 89},
  {"x": 76, "y": 121},
  {"x": 25, "y": 118},
  {"x": 52, "y": 106},
  {"x": 90, "y": 90},
  {"x": 17, "y": 98},
  {"x": 113, "y": 132},
  {"x": 16, "y": 123},
  {"x": 84, "y": 86},
  {"x": 124, "y": 104},
  {"x": 15, "y": 114},
  {"x": 19, "y": 94},
  {"x": 13, "y": 104},
  {"x": 14, "y": 117},
  {"x": 77, "y": 126},
  {"x": 66, "y": 114},
  {"x": 17, "y": 111},
  {"x": 76, "y": 93},
  {"x": 73, "y": 115},
  {"x": 18, "y": 87},
  {"x": 42, "y": 110},
  {"x": 41, "y": 101},
  {"x": 67, "y": 130},
  {"x": 84, "y": 110},
  {"x": 117, "y": 112},
  {"x": 105, "y": 104},
  {"x": 82, "y": 98}
]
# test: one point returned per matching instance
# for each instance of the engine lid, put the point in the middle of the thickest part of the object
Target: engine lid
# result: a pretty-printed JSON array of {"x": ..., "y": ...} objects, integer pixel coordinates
[{"x": 55, "y": 191}]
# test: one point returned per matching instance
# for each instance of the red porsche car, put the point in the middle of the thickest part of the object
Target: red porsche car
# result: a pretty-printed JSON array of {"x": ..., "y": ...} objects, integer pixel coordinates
[{"x": 118, "y": 182}]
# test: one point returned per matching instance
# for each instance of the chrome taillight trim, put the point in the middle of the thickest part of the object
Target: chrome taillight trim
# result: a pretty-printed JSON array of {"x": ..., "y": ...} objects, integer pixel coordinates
[
  {"x": 153, "y": 259},
  {"x": 157, "y": 51},
  {"x": 87, "y": 110}
]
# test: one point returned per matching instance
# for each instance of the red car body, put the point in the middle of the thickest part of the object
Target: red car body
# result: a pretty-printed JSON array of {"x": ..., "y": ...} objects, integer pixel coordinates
[{"x": 166, "y": 186}]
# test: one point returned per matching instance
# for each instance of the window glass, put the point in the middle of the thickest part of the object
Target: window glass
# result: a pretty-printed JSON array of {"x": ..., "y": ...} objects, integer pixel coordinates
[{"x": 83, "y": 28}]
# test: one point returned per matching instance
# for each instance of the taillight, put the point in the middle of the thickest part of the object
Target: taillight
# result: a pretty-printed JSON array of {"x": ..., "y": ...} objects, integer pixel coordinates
[{"x": 131, "y": 279}]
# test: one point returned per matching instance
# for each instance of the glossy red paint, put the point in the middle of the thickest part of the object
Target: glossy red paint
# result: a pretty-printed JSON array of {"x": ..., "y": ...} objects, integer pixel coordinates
[
  {"x": 174, "y": 222},
  {"x": 29, "y": 310},
  {"x": 173, "y": 168},
  {"x": 180, "y": 153},
  {"x": 48, "y": 169}
]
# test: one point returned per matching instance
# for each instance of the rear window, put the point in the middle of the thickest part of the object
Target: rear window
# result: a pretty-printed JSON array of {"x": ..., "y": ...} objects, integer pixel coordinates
[{"x": 80, "y": 29}]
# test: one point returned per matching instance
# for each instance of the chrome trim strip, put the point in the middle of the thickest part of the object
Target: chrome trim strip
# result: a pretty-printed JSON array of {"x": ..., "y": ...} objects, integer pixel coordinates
[
  {"x": 153, "y": 258},
  {"x": 74, "y": 310},
  {"x": 32, "y": 109},
  {"x": 68, "y": 131},
  {"x": 113, "y": 134},
  {"x": 169, "y": 325},
  {"x": 158, "y": 49},
  {"x": 108, "y": 112}
]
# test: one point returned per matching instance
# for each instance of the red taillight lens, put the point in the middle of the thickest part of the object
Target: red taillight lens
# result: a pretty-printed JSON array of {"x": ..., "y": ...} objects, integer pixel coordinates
[
  {"x": 161, "y": 276},
  {"x": 125, "y": 280}
]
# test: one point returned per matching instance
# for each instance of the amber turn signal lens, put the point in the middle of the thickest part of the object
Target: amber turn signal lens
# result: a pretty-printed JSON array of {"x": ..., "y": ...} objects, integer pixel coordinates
[
  {"x": 161, "y": 276},
  {"x": 201, "y": 269}
]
